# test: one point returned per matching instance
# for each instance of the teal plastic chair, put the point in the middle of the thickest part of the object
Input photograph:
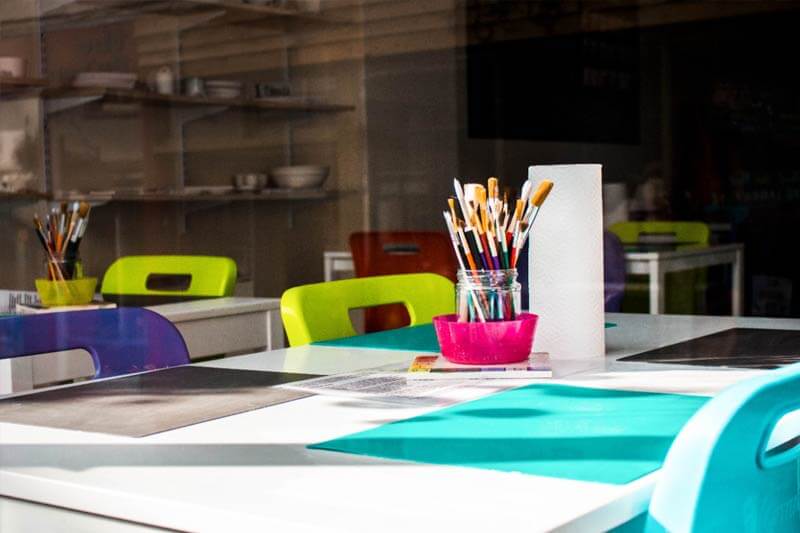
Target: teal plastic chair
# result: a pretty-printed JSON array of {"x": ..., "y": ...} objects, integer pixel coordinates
[
  {"x": 320, "y": 311},
  {"x": 719, "y": 476}
]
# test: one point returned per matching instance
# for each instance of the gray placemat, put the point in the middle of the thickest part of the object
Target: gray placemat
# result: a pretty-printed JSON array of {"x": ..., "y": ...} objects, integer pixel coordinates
[
  {"x": 144, "y": 404},
  {"x": 735, "y": 348}
]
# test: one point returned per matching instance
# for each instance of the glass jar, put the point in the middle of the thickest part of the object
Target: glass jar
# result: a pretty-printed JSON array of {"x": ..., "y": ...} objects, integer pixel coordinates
[
  {"x": 487, "y": 295},
  {"x": 68, "y": 268}
]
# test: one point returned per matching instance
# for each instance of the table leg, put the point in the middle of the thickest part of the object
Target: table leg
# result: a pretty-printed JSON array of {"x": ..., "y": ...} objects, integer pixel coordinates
[
  {"x": 657, "y": 279},
  {"x": 16, "y": 375},
  {"x": 274, "y": 330},
  {"x": 737, "y": 291},
  {"x": 327, "y": 265}
]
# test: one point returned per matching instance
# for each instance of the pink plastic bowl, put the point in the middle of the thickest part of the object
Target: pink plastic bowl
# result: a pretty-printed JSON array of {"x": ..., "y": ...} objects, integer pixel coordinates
[{"x": 481, "y": 343}]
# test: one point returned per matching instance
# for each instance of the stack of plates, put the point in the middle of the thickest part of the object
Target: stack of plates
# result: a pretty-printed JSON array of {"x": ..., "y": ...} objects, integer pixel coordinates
[
  {"x": 224, "y": 89},
  {"x": 299, "y": 176},
  {"x": 297, "y": 100},
  {"x": 112, "y": 80}
]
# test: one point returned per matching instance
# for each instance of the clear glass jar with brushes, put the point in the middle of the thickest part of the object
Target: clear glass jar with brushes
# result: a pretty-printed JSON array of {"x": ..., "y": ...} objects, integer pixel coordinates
[{"x": 488, "y": 295}]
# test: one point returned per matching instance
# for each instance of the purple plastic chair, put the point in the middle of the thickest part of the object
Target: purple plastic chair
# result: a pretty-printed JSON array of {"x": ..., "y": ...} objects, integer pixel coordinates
[
  {"x": 120, "y": 341},
  {"x": 613, "y": 271}
]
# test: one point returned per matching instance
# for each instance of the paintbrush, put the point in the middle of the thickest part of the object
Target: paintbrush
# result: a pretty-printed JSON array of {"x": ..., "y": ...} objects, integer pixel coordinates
[
  {"x": 52, "y": 264},
  {"x": 451, "y": 228},
  {"x": 539, "y": 197},
  {"x": 536, "y": 202},
  {"x": 77, "y": 231},
  {"x": 460, "y": 197},
  {"x": 467, "y": 250},
  {"x": 451, "y": 202}
]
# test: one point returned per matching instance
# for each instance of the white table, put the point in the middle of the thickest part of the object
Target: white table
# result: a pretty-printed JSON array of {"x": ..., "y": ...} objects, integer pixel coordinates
[
  {"x": 655, "y": 264},
  {"x": 252, "y": 471},
  {"x": 209, "y": 327},
  {"x": 337, "y": 264}
]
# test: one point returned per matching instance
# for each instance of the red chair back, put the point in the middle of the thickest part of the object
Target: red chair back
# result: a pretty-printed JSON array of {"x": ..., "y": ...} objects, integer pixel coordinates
[{"x": 380, "y": 253}]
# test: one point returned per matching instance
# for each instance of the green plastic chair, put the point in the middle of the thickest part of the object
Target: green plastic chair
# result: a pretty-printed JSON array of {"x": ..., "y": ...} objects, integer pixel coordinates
[
  {"x": 683, "y": 232},
  {"x": 681, "y": 287},
  {"x": 320, "y": 311},
  {"x": 154, "y": 279}
]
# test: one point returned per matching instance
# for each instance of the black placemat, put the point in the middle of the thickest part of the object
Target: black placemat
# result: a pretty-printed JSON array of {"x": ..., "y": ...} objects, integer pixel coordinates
[
  {"x": 144, "y": 404},
  {"x": 737, "y": 348}
]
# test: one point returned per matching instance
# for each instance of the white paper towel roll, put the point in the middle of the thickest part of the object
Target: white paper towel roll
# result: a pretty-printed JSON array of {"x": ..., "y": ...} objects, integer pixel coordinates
[{"x": 566, "y": 263}]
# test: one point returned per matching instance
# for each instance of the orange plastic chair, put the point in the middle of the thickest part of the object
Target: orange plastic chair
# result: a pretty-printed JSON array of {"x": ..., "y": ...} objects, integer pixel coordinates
[{"x": 381, "y": 253}]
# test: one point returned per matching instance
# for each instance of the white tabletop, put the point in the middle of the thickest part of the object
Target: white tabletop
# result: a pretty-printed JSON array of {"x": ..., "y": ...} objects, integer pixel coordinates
[
  {"x": 683, "y": 251},
  {"x": 252, "y": 470},
  {"x": 215, "y": 307}
]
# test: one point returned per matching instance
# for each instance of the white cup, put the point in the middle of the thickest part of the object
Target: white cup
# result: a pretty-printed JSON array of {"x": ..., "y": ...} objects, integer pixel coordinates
[{"x": 165, "y": 81}]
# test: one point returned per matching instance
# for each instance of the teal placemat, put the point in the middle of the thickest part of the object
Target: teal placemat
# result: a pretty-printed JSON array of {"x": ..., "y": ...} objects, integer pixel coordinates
[
  {"x": 415, "y": 338},
  {"x": 608, "y": 436}
]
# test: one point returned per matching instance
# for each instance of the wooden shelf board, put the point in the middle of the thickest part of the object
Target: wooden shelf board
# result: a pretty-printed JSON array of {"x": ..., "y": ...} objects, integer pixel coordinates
[
  {"x": 132, "y": 95},
  {"x": 22, "y": 83},
  {"x": 24, "y": 196},
  {"x": 79, "y": 13},
  {"x": 16, "y": 87},
  {"x": 264, "y": 195}
]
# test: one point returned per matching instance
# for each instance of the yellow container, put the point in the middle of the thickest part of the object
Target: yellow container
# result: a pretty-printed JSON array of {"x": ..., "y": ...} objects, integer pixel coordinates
[{"x": 69, "y": 292}]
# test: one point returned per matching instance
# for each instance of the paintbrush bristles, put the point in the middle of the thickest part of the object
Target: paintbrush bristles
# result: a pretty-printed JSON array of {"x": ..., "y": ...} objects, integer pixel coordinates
[
  {"x": 541, "y": 193},
  {"x": 493, "y": 233},
  {"x": 451, "y": 202}
]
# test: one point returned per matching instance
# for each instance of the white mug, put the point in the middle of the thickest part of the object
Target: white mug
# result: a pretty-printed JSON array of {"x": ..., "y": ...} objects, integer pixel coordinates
[{"x": 165, "y": 81}]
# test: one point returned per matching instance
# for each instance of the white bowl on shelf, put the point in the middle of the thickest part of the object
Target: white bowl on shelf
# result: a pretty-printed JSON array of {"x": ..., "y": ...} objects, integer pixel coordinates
[{"x": 299, "y": 176}]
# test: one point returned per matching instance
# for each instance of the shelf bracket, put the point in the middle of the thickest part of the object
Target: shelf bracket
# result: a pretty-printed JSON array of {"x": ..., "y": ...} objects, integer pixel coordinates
[
  {"x": 57, "y": 105},
  {"x": 184, "y": 117},
  {"x": 189, "y": 114}
]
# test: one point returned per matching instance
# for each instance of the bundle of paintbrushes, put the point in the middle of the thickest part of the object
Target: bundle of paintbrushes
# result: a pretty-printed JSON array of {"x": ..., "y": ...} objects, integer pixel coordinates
[
  {"x": 488, "y": 234},
  {"x": 60, "y": 235}
]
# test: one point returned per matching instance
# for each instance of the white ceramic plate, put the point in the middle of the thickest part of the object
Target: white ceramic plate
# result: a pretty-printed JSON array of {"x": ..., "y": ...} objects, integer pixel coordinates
[{"x": 120, "y": 80}]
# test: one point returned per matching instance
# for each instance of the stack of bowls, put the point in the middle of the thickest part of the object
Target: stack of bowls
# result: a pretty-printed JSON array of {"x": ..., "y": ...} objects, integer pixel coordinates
[{"x": 224, "y": 89}]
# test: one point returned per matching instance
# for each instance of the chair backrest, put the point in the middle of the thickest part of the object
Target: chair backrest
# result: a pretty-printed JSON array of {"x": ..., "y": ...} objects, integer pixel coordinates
[
  {"x": 319, "y": 311},
  {"x": 120, "y": 341},
  {"x": 680, "y": 232},
  {"x": 719, "y": 474},
  {"x": 381, "y": 253},
  {"x": 151, "y": 279},
  {"x": 613, "y": 272}
]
